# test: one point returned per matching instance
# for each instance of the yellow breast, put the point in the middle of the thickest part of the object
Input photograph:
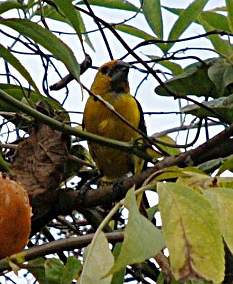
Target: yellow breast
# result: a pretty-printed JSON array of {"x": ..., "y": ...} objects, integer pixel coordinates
[{"x": 100, "y": 120}]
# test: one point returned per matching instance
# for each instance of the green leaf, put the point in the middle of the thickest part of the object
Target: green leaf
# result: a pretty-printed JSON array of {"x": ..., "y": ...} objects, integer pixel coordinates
[
  {"x": 197, "y": 181},
  {"x": 210, "y": 21},
  {"x": 186, "y": 18},
  {"x": 175, "y": 68},
  {"x": 216, "y": 20},
  {"x": 48, "y": 40},
  {"x": 113, "y": 4},
  {"x": 221, "y": 74},
  {"x": 9, "y": 5},
  {"x": 224, "y": 182},
  {"x": 18, "y": 93},
  {"x": 133, "y": 31},
  {"x": 71, "y": 270},
  {"x": 153, "y": 14},
  {"x": 37, "y": 268},
  {"x": 169, "y": 173},
  {"x": 222, "y": 201},
  {"x": 221, "y": 107},
  {"x": 10, "y": 58},
  {"x": 118, "y": 277},
  {"x": 221, "y": 46},
  {"x": 176, "y": 11},
  {"x": 51, "y": 13},
  {"x": 71, "y": 14},
  {"x": 200, "y": 181},
  {"x": 210, "y": 166},
  {"x": 172, "y": 151},
  {"x": 98, "y": 262},
  {"x": 227, "y": 165},
  {"x": 53, "y": 271},
  {"x": 21, "y": 93},
  {"x": 229, "y": 6},
  {"x": 174, "y": 172},
  {"x": 193, "y": 81},
  {"x": 141, "y": 239},
  {"x": 192, "y": 233}
]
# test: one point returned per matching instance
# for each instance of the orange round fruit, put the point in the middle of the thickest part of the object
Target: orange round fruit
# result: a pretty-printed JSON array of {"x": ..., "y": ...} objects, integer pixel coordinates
[{"x": 15, "y": 217}]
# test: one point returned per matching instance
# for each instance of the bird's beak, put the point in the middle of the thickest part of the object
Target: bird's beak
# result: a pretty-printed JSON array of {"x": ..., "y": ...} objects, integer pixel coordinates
[{"x": 121, "y": 72}]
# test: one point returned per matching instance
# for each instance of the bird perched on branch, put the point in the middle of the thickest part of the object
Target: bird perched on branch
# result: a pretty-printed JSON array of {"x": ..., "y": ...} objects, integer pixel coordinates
[{"x": 111, "y": 84}]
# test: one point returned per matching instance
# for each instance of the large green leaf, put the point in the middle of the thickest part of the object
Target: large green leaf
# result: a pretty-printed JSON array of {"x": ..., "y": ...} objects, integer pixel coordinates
[
  {"x": 9, "y": 5},
  {"x": 200, "y": 181},
  {"x": 52, "y": 13},
  {"x": 71, "y": 270},
  {"x": 113, "y": 4},
  {"x": 141, "y": 239},
  {"x": 176, "y": 11},
  {"x": 48, "y": 40},
  {"x": 222, "y": 201},
  {"x": 133, "y": 31},
  {"x": 193, "y": 81},
  {"x": 216, "y": 20},
  {"x": 153, "y": 14},
  {"x": 10, "y": 58},
  {"x": 210, "y": 166},
  {"x": 229, "y": 6},
  {"x": 37, "y": 268},
  {"x": 214, "y": 79},
  {"x": 221, "y": 74},
  {"x": 187, "y": 16},
  {"x": 210, "y": 21},
  {"x": 98, "y": 262},
  {"x": 71, "y": 14},
  {"x": 192, "y": 233},
  {"x": 197, "y": 181},
  {"x": 53, "y": 271},
  {"x": 222, "y": 107},
  {"x": 221, "y": 46}
]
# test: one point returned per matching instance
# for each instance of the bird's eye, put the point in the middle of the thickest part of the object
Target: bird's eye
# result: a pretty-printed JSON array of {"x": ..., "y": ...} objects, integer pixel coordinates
[{"x": 104, "y": 70}]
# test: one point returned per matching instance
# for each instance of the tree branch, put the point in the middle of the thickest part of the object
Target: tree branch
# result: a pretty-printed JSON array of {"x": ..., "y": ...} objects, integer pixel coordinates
[
  {"x": 55, "y": 124},
  {"x": 68, "y": 244},
  {"x": 64, "y": 202}
]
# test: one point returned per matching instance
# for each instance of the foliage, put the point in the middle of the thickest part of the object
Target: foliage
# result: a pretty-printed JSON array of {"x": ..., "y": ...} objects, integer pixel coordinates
[{"x": 111, "y": 235}]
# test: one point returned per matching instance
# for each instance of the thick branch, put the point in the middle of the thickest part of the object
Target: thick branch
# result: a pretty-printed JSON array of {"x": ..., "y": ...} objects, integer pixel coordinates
[
  {"x": 212, "y": 149},
  {"x": 64, "y": 202},
  {"x": 59, "y": 245}
]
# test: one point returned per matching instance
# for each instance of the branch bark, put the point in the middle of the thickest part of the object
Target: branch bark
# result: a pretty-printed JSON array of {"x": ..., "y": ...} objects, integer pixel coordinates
[{"x": 57, "y": 246}]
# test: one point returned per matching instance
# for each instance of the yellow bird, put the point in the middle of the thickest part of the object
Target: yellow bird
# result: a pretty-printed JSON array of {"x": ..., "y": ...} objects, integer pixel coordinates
[{"x": 111, "y": 84}]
